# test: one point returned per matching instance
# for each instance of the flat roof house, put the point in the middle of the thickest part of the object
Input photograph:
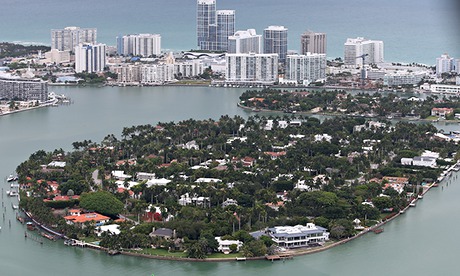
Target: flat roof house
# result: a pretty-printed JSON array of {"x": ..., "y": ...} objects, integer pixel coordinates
[{"x": 298, "y": 236}]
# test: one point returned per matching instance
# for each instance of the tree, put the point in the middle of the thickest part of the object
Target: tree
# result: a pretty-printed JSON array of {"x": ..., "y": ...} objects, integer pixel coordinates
[
  {"x": 102, "y": 202},
  {"x": 254, "y": 249}
]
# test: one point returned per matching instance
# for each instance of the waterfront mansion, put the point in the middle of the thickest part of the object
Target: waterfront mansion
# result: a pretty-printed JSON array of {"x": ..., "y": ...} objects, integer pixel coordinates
[{"x": 298, "y": 236}]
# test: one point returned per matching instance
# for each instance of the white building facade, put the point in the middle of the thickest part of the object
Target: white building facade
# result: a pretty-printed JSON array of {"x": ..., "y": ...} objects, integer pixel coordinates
[
  {"x": 298, "y": 236},
  {"x": 156, "y": 74},
  {"x": 68, "y": 38},
  {"x": 403, "y": 78},
  {"x": 144, "y": 45},
  {"x": 90, "y": 58},
  {"x": 356, "y": 47},
  {"x": 24, "y": 89},
  {"x": 245, "y": 42},
  {"x": 305, "y": 69},
  {"x": 251, "y": 68},
  {"x": 445, "y": 64}
]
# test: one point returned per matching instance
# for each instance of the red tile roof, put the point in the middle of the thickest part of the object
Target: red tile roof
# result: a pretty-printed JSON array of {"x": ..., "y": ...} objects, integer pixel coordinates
[{"x": 86, "y": 217}]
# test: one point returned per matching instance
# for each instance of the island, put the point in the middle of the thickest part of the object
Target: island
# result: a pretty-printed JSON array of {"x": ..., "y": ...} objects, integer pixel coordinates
[{"x": 233, "y": 189}]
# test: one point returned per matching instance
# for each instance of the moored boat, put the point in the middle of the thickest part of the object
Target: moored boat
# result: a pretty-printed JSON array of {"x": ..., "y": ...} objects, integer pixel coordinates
[
  {"x": 30, "y": 226},
  {"x": 11, "y": 178},
  {"x": 420, "y": 196},
  {"x": 377, "y": 230}
]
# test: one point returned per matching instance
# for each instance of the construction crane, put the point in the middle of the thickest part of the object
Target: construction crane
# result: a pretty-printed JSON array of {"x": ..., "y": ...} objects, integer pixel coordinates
[{"x": 363, "y": 71}]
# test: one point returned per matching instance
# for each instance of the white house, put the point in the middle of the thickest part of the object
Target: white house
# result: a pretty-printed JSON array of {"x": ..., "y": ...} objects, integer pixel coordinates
[
  {"x": 111, "y": 228},
  {"x": 323, "y": 137},
  {"x": 224, "y": 245},
  {"x": 229, "y": 202},
  {"x": 298, "y": 236},
  {"x": 157, "y": 182}
]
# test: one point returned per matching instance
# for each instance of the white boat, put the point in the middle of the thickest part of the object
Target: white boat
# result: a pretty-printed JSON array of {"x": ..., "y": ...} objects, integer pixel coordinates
[
  {"x": 14, "y": 206},
  {"x": 10, "y": 178},
  {"x": 420, "y": 196},
  {"x": 412, "y": 204},
  {"x": 12, "y": 193}
]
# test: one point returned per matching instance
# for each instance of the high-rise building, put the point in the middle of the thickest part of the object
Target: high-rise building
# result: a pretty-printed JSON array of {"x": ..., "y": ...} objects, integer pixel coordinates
[
  {"x": 68, "y": 38},
  {"x": 305, "y": 69},
  {"x": 144, "y": 45},
  {"x": 357, "y": 47},
  {"x": 225, "y": 28},
  {"x": 245, "y": 42},
  {"x": 311, "y": 42},
  {"x": 90, "y": 58},
  {"x": 206, "y": 17},
  {"x": 251, "y": 68},
  {"x": 213, "y": 26},
  {"x": 275, "y": 41},
  {"x": 445, "y": 64}
]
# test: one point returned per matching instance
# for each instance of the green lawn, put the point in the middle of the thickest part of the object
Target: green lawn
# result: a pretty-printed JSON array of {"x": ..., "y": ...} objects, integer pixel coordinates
[
  {"x": 222, "y": 255},
  {"x": 181, "y": 254},
  {"x": 162, "y": 252}
]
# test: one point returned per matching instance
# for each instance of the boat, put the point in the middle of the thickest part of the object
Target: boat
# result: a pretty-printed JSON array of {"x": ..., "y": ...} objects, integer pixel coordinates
[
  {"x": 420, "y": 196},
  {"x": 69, "y": 242},
  {"x": 48, "y": 236},
  {"x": 30, "y": 226},
  {"x": 14, "y": 206},
  {"x": 401, "y": 212},
  {"x": 11, "y": 178},
  {"x": 12, "y": 193},
  {"x": 412, "y": 204},
  {"x": 239, "y": 259},
  {"x": 377, "y": 230},
  {"x": 20, "y": 219},
  {"x": 113, "y": 252}
]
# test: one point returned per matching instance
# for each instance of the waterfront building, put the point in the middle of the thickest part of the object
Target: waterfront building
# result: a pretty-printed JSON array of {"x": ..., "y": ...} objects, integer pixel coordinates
[
  {"x": 441, "y": 88},
  {"x": 298, "y": 236},
  {"x": 156, "y": 74},
  {"x": 311, "y": 42},
  {"x": 22, "y": 88},
  {"x": 224, "y": 245},
  {"x": 445, "y": 64},
  {"x": 188, "y": 69},
  {"x": 275, "y": 42},
  {"x": 305, "y": 69},
  {"x": 127, "y": 73},
  {"x": 144, "y": 45},
  {"x": 245, "y": 42},
  {"x": 356, "y": 47},
  {"x": 251, "y": 68},
  {"x": 79, "y": 219},
  {"x": 68, "y": 38},
  {"x": 403, "y": 78},
  {"x": 90, "y": 58}
]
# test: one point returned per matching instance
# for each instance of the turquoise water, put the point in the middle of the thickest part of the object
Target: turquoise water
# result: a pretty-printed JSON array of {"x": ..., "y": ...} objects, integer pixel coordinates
[
  {"x": 412, "y": 30},
  {"x": 421, "y": 242}
]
